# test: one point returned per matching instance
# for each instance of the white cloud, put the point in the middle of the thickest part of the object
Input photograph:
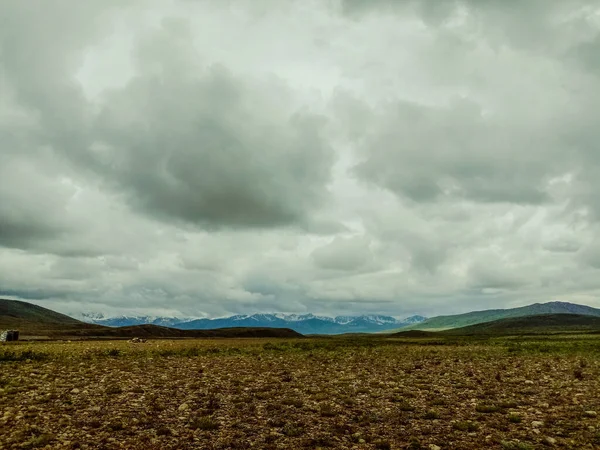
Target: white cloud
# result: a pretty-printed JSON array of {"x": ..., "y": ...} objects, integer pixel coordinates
[{"x": 332, "y": 157}]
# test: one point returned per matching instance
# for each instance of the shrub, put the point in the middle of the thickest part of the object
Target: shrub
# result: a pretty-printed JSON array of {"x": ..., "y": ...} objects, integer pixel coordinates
[
  {"x": 291, "y": 430},
  {"x": 382, "y": 445},
  {"x": 113, "y": 352},
  {"x": 327, "y": 410},
  {"x": 404, "y": 405},
  {"x": 431, "y": 415},
  {"x": 206, "y": 423}
]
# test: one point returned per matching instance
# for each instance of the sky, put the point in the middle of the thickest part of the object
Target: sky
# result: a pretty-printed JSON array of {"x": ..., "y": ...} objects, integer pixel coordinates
[{"x": 206, "y": 158}]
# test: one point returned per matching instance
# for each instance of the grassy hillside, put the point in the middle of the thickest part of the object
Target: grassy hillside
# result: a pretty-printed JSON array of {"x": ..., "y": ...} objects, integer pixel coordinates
[
  {"x": 15, "y": 311},
  {"x": 539, "y": 324},
  {"x": 33, "y": 320},
  {"x": 472, "y": 318}
]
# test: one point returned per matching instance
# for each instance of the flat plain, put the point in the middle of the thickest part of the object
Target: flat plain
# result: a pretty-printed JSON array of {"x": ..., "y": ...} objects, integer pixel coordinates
[{"x": 340, "y": 393}]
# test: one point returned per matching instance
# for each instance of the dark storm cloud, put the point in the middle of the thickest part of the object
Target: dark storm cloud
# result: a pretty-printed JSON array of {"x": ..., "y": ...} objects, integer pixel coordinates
[
  {"x": 182, "y": 140},
  {"x": 199, "y": 145}
]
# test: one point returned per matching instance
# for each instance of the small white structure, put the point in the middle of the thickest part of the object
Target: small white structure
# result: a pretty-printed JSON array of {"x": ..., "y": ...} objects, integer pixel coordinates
[{"x": 9, "y": 336}]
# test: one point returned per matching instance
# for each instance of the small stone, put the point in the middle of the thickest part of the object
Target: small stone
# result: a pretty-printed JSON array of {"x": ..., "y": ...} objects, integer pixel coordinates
[
  {"x": 528, "y": 382},
  {"x": 537, "y": 424},
  {"x": 590, "y": 413},
  {"x": 362, "y": 441},
  {"x": 434, "y": 447},
  {"x": 549, "y": 440},
  {"x": 183, "y": 407},
  {"x": 75, "y": 391}
]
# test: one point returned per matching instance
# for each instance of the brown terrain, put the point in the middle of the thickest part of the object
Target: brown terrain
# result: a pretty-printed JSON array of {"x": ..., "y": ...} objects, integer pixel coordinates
[{"x": 339, "y": 393}]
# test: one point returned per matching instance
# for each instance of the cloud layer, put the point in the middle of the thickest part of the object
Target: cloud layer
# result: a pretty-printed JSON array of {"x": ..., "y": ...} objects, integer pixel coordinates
[{"x": 334, "y": 157}]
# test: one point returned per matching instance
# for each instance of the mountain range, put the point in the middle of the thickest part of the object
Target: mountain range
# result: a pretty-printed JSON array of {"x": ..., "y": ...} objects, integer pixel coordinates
[
  {"x": 302, "y": 323},
  {"x": 127, "y": 321},
  {"x": 37, "y": 322}
]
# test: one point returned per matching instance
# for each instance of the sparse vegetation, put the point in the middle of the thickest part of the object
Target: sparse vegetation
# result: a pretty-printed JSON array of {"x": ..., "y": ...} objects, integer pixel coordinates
[
  {"x": 466, "y": 425},
  {"x": 514, "y": 418},
  {"x": 371, "y": 392},
  {"x": 487, "y": 409}
]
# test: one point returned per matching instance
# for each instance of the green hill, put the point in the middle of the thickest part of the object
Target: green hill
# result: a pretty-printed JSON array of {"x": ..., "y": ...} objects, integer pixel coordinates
[
  {"x": 18, "y": 311},
  {"x": 440, "y": 323},
  {"x": 539, "y": 324}
]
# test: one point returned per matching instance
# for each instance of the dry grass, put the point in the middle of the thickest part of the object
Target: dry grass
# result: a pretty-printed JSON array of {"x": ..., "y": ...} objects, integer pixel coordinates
[{"x": 327, "y": 393}]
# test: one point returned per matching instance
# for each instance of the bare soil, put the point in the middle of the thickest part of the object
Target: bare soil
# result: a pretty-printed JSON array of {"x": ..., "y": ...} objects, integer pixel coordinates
[{"x": 294, "y": 394}]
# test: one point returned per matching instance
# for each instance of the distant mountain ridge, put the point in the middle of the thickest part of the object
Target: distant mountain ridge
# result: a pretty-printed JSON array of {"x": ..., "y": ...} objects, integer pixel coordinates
[
  {"x": 37, "y": 321},
  {"x": 477, "y": 317},
  {"x": 302, "y": 323},
  {"x": 127, "y": 321}
]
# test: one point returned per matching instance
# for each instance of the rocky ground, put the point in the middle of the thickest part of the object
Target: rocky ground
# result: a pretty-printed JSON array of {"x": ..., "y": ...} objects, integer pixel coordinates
[{"x": 298, "y": 394}]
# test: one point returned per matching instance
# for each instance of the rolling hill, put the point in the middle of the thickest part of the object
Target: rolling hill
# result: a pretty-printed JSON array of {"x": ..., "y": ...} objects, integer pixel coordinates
[
  {"x": 539, "y": 324},
  {"x": 515, "y": 326},
  {"x": 15, "y": 310},
  {"x": 33, "y": 320},
  {"x": 440, "y": 323}
]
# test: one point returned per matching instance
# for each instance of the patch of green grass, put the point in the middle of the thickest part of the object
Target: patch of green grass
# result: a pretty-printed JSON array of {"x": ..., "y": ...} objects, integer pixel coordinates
[
  {"x": 511, "y": 445},
  {"x": 508, "y": 404},
  {"x": 206, "y": 423},
  {"x": 466, "y": 425},
  {"x": 327, "y": 410},
  {"x": 405, "y": 405},
  {"x": 514, "y": 418},
  {"x": 40, "y": 441},
  {"x": 487, "y": 409},
  {"x": 292, "y": 430},
  {"x": 296, "y": 402},
  {"x": 113, "y": 352},
  {"x": 115, "y": 426},
  {"x": 382, "y": 444},
  {"x": 431, "y": 415},
  {"x": 113, "y": 389},
  {"x": 25, "y": 355}
]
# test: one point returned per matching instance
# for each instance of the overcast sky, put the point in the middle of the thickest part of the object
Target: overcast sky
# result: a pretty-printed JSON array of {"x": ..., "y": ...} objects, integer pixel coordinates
[{"x": 337, "y": 157}]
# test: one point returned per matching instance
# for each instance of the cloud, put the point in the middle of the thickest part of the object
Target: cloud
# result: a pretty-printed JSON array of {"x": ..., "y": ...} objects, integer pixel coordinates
[
  {"x": 230, "y": 155},
  {"x": 343, "y": 254},
  {"x": 212, "y": 158}
]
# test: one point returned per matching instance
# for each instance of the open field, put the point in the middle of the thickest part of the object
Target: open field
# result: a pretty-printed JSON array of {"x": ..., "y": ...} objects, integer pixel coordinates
[{"x": 363, "y": 393}]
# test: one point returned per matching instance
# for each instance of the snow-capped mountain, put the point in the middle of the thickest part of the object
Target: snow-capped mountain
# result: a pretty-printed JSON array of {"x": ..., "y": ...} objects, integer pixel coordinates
[
  {"x": 125, "y": 321},
  {"x": 303, "y": 323},
  {"x": 414, "y": 319}
]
